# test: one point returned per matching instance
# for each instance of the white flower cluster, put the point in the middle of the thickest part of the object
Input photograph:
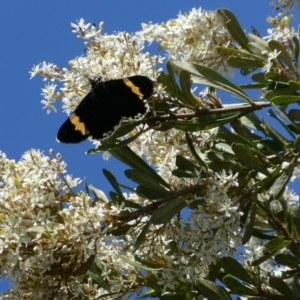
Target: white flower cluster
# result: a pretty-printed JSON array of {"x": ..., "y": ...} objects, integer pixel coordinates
[
  {"x": 210, "y": 232},
  {"x": 192, "y": 37},
  {"x": 47, "y": 232},
  {"x": 284, "y": 6},
  {"x": 107, "y": 57}
]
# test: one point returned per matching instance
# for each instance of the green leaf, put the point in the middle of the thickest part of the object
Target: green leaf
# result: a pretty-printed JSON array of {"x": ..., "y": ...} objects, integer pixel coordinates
[
  {"x": 183, "y": 174},
  {"x": 214, "y": 270},
  {"x": 142, "y": 236},
  {"x": 122, "y": 229},
  {"x": 234, "y": 268},
  {"x": 270, "y": 131},
  {"x": 136, "y": 264},
  {"x": 276, "y": 244},
  {"x": 148, "y": 263},
  {"x": 278, "y": 77},
  {"x": 151, "y": 281},
  {"x": 287, "y": 259},
  {"x": 239, "y": 62},
  {"x": 280, "y": 286},
  {"x": 296, "y": 286},
  {"x": 231, "y": 23},
  {"x": 144, "y": 179},
  {"x": 185, "y": 84},
  {"x": 238, "y": 287},
  {"x": 167, "y": 81},
  {"x": 258, "y": 77},
  {"x": 296, "y": 48},
  {"x": 166, "y": 212},
  {"x": 286, "y": 92},
  {"x": 283, "y": 55},
  {"x": 211, "y": 291},
  {"x": 98, "y": 280},
  {"x": 260, "y": 260},
  {"x": 294, "y": 85},
  {"x": 224, "y": 148},
  {"x": 248, "y": 158},
  {"x": 285, "y": 99},
  {"x": 83, "y": 268},
  {"x": 249, "y": 227},
  {"x": 128, "y": 157},
  {"x": 297, "y": 143},
  {"x": 184, "y": 164},
  {"x": 204, "y": 75},
  {"x": 113, "y": 181},
  {"x": 204, "y": 122},
  {"x": 112, "y": 142},
  {"x": 279, "y": 186},
  {"x": 194, "y": 152},
  {"x": 150, "y": 193},
  {"x": 294, "y": 114}
]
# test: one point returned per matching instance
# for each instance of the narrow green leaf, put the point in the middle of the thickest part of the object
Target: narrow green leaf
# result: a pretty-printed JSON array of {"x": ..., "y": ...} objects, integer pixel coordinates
[
  {"x": 251, "y": 120},
  {"x": 142, "y": 236},
  {"x": 194, "y": 152},
  {"x": 98, "y": 280},
  {"x": 248, "y": 158},
  {"x": 258, "y": 77},
  {"x": 185, "y": 84},
  {"x": 273, "y": 93},
  {"x": 234, "y": 268},
  {"x": 280, "y": 286},
  {"x": 238, "y": 287},
  {"x": 204, "y": 75},
  {"x": 296, "y": 286},
  {"x": 294, "y": 84},
  {"x": 274, "y": 76},
  {"x": 183, "y": 174},
  {"x": 270, "y": 131},
  {"x": 166, "y": 212},
  {"x": 283, "y": 55},
  {"x": 83, "y": 268},
  {"x": 260, "y": 260},
  {"x": 279, "y": 186},
  {"x": 224, "y": 148},
  {"x": 214, "y": 270},
  {"x": 136, "y": 264},
  {"x": 239, "y": 62},
  {"x": 128, "y": 157},
  {"x": 294, "y": 114},
  {"x": 211, "y": 291},
  {"x": 231, "y": 23},
  {"x": 184, "y": 164},
  {"x": 204, "y": 122},
  {"x": 122, "y": 229},
  {"x": 151, "y": 281},
  {"x": 257, "y": 48},
  {"x": 296, "y": 48},
  {"x": 113, "y": 181},
  {"x": 285, "y": 99},
  {"x": 144, "y": 179},
  {"x": 148, "y": 263},
  {"x": 276, "y": 244},
  {"x": 249, "y": 227},
  {"x": 297, "y": 143},
  {"x": 287, "y": 259},
  {"x": 239, "y": 53},
  {"x": 150, "y": 193}
]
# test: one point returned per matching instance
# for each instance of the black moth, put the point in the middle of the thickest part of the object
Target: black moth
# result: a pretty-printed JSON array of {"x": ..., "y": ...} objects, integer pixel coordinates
[{"x": 104, "y": 107}]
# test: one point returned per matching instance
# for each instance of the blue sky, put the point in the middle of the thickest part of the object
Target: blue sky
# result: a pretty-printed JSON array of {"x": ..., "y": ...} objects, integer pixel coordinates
[{"x": 35, "y": 31}]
